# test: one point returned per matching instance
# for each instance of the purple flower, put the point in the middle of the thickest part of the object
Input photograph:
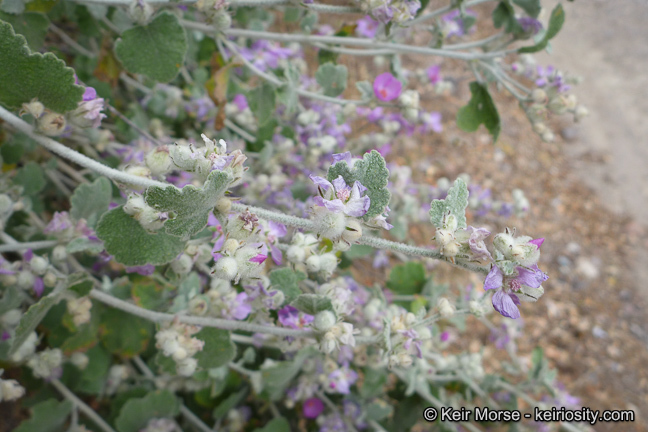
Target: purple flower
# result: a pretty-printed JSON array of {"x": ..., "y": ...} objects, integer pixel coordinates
[
  {"x": 387, "y": 87},
  {"x": 145, "y": 270},
  {"x": 240, "y": 101},
  {"x": 476, "y": 242},
  {"x": 530, "y": 25},
  {"x": 313, "y": 407},
  {"x": 341, "y": 380},
  {"x": 505, "y": 300},
  {"x": 289, "y": 316},
  {"x": 339, "y": 197},
  {"x": 367, "y": 27},
  {"x": 383, "y": 12},
  {"x": 237, "y": 308},
  {"x": 60, "y": 222},
  {"x": 434, "y": 73},
  {"x": 431, "y": 122}
]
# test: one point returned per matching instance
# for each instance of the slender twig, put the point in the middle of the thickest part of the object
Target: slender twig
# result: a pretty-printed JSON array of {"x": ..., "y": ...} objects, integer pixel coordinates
[
  {"x": 443, "y": 10},
  {"x": 44, "y": 244},
  {"x": 239, "y": 130},
  {"x": 316, "y": 7},
  {"x": 71, "y": 42},
  {"x": 85, "y": 409},
  {"x": 395, "y": 48},
  {"x": 130, "y": 123}
]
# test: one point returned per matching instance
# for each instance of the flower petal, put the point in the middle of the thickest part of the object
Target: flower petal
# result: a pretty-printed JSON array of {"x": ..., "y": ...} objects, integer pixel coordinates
[
  {"x": 505, "y": 305},
  {"x": 494, "y": 279}
]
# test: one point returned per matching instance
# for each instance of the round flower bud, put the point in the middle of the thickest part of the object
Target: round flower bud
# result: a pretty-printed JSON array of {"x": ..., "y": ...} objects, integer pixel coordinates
[
  {"x": 226, "y": 268},
  {"x": 49, "y": 279},
  {"x": 179, "y": 354},
  {"x": 140, "y": 12},
  {"x": 328, "y": 343},
  {"x": 328, "y": 263},
  {"x": 198, "y": 306},
  {"x": 224, "y": 205},
  {"x": 296, "y": 254},
  {"x": 159, "y": 161},
  {"x": 443, "y": 237},
  {"x": 540, "y": 128},
  {"x": 352, "y": 232},
  {"x": 11, "y": 318},
  {"x": 34, "y": 108},
  {"x": 580, "y": 113},
  {"x": 10, "y": 390},
  {"x": 405, "y": 360},
  {"x": 25, "y": 279},
  {"x": 313, "y": 263},
  {"x": 187, "y": 367},
  {"x": 59, "y": 253},
  {"x": 539, "y": 96},
  {"x": 451, "y": 250},
  {"x": 476, "y": 308},
  {"x": 445, "y": 308},
  {"x": 51, "y": 124},
  {"x": 328, "y": 224},
  {"x": 548, "y": 136},
  {"x": 79, "y": 360},
  {"x": 372, "y": 309},
  {"x": 182, "y": 265},
  {"x": 39, "y": 265},
  {"x": 324, "y": 320},
  {"x": 231, "y": 245},
  {"x": 6, "y": 204},
  {"x": 222, "y": 21}
]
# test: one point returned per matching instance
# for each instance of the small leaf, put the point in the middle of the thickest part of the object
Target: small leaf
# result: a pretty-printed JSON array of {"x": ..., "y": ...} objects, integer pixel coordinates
[
  {"x": 332, "y": 78},
  {"x": 11, "y": 299},
  {"x": 278, "y": 377},
  {"x": 455, "y": 203},
  {"x": 504, "y": 15},
  {"x": 33, "y": 26},
  {"x": 84, "y": 244},
  {"x": 136, "y": 412},
  {"x": 218, "y": 349},
  {"x": 80, "y": 283},
  {"x": 531, "y": 7},
  {"x": 156, "y": 50},
  {"x": 287, "y": 281},
  {"x": 374, "y": 383},
  {"x": 31, "y": 319},
  {"x": 312, "y": 303},
  {"x": 31, "y": 178},
  {"x": 47, "y": 416},
  {"x": 230, "y": 402},
  {"x": 366, "y": 89},
  {"x": 262, "y": 103},
  {"x": 90, "y": 200},
  {"x": 279, "y": 424},
  {"x": 24, "y": 76},
  {"x": 132, "y": 245},
  {"x": 124, "y": 334},
  {"x": 373, "y": 174},
  {"x": 148, "y": 294},
  {"x": 12, "y": 6},
  {"x": 190, "y": 205},
  {"x": 93, "y": 377},
  {"x": 378, "y": 410},
  {"x": 556, "y": 22},
  {"x": 408, "y": 278},
  {"x": 480, "y": 109}
]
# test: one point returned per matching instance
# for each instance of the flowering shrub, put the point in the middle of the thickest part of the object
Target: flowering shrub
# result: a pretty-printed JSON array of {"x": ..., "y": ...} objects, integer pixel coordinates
[{"x": 187, "y": 258}]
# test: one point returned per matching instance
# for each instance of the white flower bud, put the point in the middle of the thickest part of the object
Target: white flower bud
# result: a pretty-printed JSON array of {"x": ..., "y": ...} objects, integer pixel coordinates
[
  {"x": 11, "y": 318},
  {"x": 580, "y": 113},
  {"x": 39, "y": 265},
  {"x": 328, "y": 343},
  {"x": 445, "y": 308},
  {"x": 79, "y": 360},
  {"x": 352, "y": 232},
  {"x": 328, "y": 224},
  {"x": 187, "y": 367},
  {"x": 49, "y": 279},
  {"x": 182, "y": 265},
  {"x": 222, "y": 21},
  {"x": 296, "y": 254},
  {"x": 140, "y": 11},
  {"x": 548, "y": 136},
  {"x": 476, "y": 308},
  {"x": 59, "y": 253},
  {"x": 540, "y": 128},
  {"x": 226, "y": 268},
  {"x": 224, "y": 205},
  {"x": 372, "y": 309},
  {"x": 231, "y": 245},
  {"x": 313, "y": 263},
  {"x": 33, "y": 108},
  {"x": 443, "y": 237},
  {"x": 328, "y": 263},
  {"x": 6, "y": 204},
  {"x": 198, "y": 306},
  {"x": 51, "y": 124},
  {"x": 10, "y": 390},
  {"x": 539, "y": 96},
  {"x": 159, "y": 161},
  {"x": 405, "y": 360},
  {"x": 324, "y": 320},
  {"x": 179, "y": 354},
  {"x": 410, "y": 318},
  {"x": 26, "y": 280},
  {"x": 452, "y": 249}
]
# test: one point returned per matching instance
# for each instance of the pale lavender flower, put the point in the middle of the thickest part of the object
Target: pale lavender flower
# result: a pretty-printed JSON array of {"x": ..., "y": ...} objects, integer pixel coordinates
[
  {"x": 505, "y": 301},
  {"x": 289, "y": 316},
  {"x": 144, "y": 270},
  {"x": 341, "y": 380},
  {"x": 240, "y": 101},
  {"x": 476, "y": 242},
  {"x": 387, "y": 87},
  {"x": 367, "y": 27},
  {"x": 530, "y": 25},
  {"x": 434, "y": 74},
  {"x": 237, "y": 308},
  {"x": 431, "y": 122},
  {"x": 383, "y": 12},
  {"x": 60, "y": 222},
  {"x": 339, "y": 197}
]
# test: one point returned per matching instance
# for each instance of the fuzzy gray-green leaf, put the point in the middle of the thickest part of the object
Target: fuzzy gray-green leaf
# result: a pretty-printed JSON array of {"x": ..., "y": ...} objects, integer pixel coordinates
[
  {"x": 455, "y": 203},
  {"x": 156, "y": 50},
  {"x": 132, "y": 245},
  {"x": 136, "y": 413},
  {"x": 25, "y": 75},
  {"x": 90, "y": 200},
  {"x": 189, "y": 207},
  {"x": 332, "y": 78}
]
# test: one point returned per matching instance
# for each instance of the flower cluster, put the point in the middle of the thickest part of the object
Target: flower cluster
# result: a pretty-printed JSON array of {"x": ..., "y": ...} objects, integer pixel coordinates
[{"x": 175, "y": 341}]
